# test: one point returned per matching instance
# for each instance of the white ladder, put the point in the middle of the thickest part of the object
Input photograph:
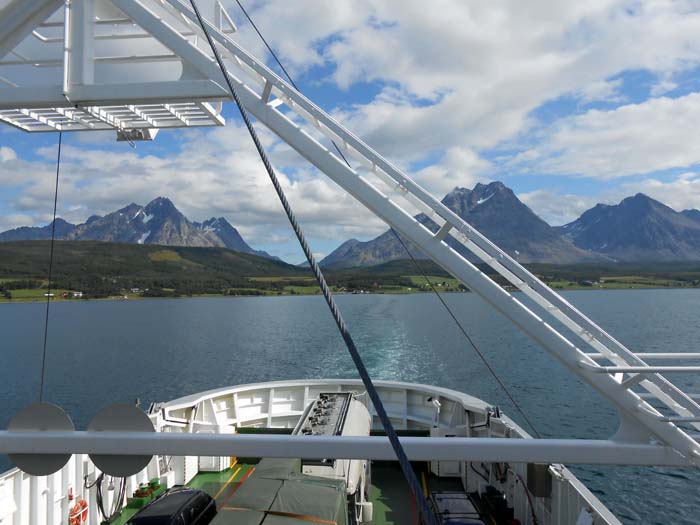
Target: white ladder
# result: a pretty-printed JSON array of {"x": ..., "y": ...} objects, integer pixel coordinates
[
  {"x": 388, "y": 192},
  {"x": 393, "y": 196}
]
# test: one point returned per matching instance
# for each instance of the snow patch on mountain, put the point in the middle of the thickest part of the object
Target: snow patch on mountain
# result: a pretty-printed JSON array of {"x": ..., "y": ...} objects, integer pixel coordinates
[{"x": 481, "y": 201}]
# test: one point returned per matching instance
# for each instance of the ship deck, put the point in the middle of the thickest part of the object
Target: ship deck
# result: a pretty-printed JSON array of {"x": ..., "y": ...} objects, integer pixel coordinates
[{"x": 393, "y": 504}]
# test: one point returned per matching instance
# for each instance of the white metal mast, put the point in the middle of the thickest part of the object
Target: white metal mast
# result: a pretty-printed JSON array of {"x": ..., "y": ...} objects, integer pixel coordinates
[{"x": 654, "y": 412}]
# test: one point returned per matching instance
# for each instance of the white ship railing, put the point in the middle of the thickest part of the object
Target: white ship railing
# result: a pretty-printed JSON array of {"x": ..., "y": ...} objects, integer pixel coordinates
[{"x": 31, "y": 500}]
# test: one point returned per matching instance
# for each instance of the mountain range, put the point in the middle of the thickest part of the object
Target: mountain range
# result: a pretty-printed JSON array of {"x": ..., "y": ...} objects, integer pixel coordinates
[
  {"x": 638, "y": 229},
  {"x": 159, "y": 222}
]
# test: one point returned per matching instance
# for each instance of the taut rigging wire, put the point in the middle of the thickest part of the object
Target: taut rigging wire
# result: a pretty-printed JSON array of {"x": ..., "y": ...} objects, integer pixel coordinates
[
  {"x": 48, "y": 292},
  {"x": 415, "y": 487},
  {"x": 467, "y": 336},
  {"x": 403, "y": 244}
]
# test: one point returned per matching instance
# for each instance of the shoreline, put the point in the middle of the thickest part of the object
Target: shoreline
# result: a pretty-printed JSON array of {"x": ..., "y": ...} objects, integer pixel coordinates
[{"x": 131, "y": 298}]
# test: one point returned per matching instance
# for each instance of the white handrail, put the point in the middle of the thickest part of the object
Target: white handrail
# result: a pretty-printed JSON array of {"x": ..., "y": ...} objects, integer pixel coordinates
[{"x": 129, "y": 443}]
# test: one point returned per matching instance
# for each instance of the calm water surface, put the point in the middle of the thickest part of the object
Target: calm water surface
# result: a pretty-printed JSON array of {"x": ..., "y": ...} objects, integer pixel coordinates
[{"x": 105, "y": 352}]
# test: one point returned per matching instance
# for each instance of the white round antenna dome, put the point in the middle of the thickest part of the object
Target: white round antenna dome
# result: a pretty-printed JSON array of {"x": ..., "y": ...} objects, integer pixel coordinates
[
  {"x": 40, "y": 417},
  {"x": 115, "y": 418}
]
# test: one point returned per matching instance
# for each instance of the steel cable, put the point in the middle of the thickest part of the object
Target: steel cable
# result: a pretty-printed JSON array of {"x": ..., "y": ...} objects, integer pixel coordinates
[
  {"x": 48, "y": 292},
  {"x": 409, "y": 474},
  {"x": 467, "y": 336},
  {"x": 415, "y": 262}
]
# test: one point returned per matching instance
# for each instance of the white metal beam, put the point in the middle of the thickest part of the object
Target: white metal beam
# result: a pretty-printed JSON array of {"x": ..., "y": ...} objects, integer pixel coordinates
[
  {"x": 568, "y": 451},
  {"x": 581, "y": 327},
  {"x": 209, "y": 110},
  {"x": 169, "y": 37},
  {"x": 656, "y": 355},
  {"x": 552, "y": 303},
  {"x": 532, "y": 324},
  {"x": 19, "y": 18},
  {"x": 33, "y": 97},
  {"x": 146, "y": 93}
]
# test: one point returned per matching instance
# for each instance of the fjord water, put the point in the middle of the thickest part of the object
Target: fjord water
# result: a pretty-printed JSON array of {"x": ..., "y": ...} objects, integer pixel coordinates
[{"x": 101, "y": 352}]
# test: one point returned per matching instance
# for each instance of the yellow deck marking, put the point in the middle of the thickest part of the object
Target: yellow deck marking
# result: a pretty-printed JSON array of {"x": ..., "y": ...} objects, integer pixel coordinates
[
  {"x": 300, "y": 517},
  {"x": 425, "y": 484},
  {"x": 228, "y": 482}
]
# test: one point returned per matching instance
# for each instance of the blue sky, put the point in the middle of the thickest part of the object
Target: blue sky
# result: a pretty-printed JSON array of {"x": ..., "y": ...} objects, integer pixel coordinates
[{"x": 569, "y": 105}]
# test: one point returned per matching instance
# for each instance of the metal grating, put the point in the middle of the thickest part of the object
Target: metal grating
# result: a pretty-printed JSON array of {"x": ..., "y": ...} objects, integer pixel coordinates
[{"x": 95, "y": 118}]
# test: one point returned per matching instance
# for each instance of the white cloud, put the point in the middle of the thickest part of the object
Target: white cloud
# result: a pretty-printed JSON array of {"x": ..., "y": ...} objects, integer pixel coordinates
[
  {"x": 680, "y": 194},
  {"x": 7, "y": 154},
  {"x": 556, "y": 208},
  {"x": 606, "y": 90},
  {"x": 663, "y": 86},
  {"x": 637, "y": 138},
  {"x": 467, "y": 75},
  {"x": 451, "y": 80},
  {"x": 214, "y": 173},
  {"x": 8, "y": 222},
  {"x": 458, "y": 167}
]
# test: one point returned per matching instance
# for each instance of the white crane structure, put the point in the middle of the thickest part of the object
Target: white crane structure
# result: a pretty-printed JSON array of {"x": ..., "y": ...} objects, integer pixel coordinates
[{"x": 94, "y": 88}]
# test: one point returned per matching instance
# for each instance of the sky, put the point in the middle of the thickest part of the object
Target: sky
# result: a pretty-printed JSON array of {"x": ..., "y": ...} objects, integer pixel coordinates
[{"x": 568, "y": 103}]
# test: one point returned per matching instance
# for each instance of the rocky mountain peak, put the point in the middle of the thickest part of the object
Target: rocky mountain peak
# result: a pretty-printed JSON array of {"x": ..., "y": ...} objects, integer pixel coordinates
[
  {"x": 638, "y": 228},
  {"x": 224, "y": 230},
  {"x": 639, "y": 201},
  {"x": 495, "y": 186},
  {"x": 128, "y": 211},
  {"x": 159, "y": 222},
  {"x": 161, "y": 206},
  {"x": 493, "y": 209},
  {"x": 692, "y": 214},
  {"x": 215, "y": 223},
  {"x": 458, "y": 192}
]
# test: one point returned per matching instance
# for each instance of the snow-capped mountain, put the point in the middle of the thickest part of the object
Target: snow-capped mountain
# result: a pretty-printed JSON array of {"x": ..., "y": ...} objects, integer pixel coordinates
[
  {"x": 494, "y": 210},
  {"x": 159, "y": 222}
]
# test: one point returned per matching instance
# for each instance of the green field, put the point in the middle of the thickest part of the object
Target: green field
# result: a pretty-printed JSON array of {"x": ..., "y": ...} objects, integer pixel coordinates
[
  {"x": 32, "y": 295},
  {"x": 126, "y": 271},
  {"x": 440, "y": 282}
]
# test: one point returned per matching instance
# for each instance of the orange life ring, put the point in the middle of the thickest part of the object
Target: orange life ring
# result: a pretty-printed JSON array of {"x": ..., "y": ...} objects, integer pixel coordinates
[{"x": 79, "y": 512}]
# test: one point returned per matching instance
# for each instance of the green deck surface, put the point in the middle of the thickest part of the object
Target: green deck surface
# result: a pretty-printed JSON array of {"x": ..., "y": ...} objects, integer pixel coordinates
[
  {"x": 219, "y": 485},
  {"x": 390, "y": 496},
  {"x": 124, "y": 516}
]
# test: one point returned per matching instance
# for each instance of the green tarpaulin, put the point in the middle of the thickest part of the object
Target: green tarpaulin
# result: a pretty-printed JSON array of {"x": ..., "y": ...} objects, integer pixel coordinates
[
  {"x": 255, "y": 493},
  {"x": 278, "y": 485},
  {"x": 313, "y": 499},
  {"x": 277, "y": 468},
  {"x": 238, "y": 517}
]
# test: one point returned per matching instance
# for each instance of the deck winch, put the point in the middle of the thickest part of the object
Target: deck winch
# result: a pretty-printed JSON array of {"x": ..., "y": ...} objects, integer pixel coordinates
[{"x": 338, "y": 414}]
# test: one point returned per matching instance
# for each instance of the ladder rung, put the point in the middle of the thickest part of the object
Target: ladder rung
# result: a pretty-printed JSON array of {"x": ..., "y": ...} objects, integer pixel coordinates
[
  {"x": 670, "y": 355},
  {"x": 443, "y": 231},
  {"x": 643, "y": 369},
  {"x": 649, "y": 395},
  {"x": 679, "y": 419}
]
